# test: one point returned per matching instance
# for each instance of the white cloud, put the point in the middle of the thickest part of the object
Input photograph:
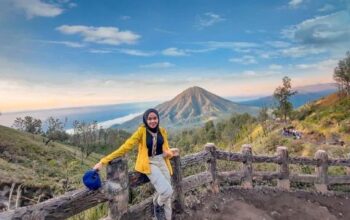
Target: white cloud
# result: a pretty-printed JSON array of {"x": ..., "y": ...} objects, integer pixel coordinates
[
  {"x": 244, "y": 60},
  {"x": 326, "y": 8},
  {"x": 98, "y": 51},
  {"x": 65, "y": 43},
  {"x": 249, "y": 73},
  {"x": 133, "y": 52},
  {"x": 301, "y": 51},
  {"x": 100, "y": 35},
  {"x": 229, "y": 44},
  {"x": 278, "y": 44},
  {"x": 158, "y": 65},
  {"x": 173, "y": 51},
  {"x": 275, "y": 67},
  {"x": 324, "y": 65},
  {"x": 38, "y": 8},
  {"x": 325, "y": 30},
  {"x": 295, "y": 3},
  {"x": 125, "y": 17},
  {"x": 208, "y": 19}
]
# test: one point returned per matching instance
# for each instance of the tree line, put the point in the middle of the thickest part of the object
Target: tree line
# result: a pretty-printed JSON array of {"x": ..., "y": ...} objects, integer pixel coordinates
[{"x": 87, "y": 136}]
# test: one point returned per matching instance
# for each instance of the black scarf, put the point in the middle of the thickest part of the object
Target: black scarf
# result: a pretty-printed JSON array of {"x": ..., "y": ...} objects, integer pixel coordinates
[
  {"x": 154, "y": 138},
  {"x": 145, "y": 116}
]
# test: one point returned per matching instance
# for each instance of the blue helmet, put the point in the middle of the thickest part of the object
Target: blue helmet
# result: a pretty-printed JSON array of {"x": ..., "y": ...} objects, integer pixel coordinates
[{"x": 92, "y": 179}]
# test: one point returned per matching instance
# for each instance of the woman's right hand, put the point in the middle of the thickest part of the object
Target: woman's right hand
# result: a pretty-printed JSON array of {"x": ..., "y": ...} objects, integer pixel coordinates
[{"x": 98, "y": 166}]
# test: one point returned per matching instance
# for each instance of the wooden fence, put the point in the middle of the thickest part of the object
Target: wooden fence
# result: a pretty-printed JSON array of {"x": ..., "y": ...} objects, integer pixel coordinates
[{"x": 115, "y": 190}]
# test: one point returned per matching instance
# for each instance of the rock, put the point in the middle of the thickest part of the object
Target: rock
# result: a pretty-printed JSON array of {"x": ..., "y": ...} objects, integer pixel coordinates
[{"x": 275, "y": 214}]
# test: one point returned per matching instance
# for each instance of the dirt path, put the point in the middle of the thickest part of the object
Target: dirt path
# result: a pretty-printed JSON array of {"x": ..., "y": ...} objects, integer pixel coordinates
[{"x": 270, "y": 204}]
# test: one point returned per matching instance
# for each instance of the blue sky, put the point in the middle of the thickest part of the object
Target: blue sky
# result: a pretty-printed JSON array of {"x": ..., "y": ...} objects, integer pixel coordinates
[{"x": 62, "y": 53}]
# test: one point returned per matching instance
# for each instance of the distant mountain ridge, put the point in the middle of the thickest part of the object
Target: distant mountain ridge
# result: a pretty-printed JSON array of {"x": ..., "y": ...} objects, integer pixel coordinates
[
  {"x": 305, "y": 95},
  {"x": 192, "y": 107}
]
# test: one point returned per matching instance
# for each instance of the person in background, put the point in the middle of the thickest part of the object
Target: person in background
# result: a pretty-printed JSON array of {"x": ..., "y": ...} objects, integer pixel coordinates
[{"x": 152, "y": 159}]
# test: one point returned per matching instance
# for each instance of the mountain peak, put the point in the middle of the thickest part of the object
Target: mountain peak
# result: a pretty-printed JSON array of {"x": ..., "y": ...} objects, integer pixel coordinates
[
  {"x": 194, "y": 106},
  {"x": 193, "y": 90}
]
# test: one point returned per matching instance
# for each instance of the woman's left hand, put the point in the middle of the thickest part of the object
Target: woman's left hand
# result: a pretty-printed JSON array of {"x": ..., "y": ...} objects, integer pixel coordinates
[{"x": 168, "y": 153}]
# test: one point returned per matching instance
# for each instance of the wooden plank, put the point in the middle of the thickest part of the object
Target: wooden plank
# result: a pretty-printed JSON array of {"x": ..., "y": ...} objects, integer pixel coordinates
[
  {"x": 60, "y": 207},
  {"x": 303, "y": 161},
  {"x": 194, "y": 159},
  {"x": 192, "y": 182},
  {"x": 303, "y": 178},
  {"x": 339, "y": 179},
  {"x": 230, "y": 156}
]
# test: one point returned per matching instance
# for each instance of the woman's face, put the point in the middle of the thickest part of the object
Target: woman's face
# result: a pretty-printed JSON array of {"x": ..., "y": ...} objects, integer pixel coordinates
[{"x": 152, "y": 120}]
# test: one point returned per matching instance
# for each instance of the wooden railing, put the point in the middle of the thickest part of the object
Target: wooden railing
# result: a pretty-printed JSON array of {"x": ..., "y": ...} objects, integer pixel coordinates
[{"x": 115, "y": 190}]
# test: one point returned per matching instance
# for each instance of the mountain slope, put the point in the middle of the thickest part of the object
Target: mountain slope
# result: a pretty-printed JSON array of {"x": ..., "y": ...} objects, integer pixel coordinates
[
  {"x": 25, "y": 159},
  {"x": 192, "y": 107}
]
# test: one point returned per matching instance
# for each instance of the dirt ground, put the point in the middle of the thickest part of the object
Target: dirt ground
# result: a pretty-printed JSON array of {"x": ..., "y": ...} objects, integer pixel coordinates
[{"x": 267, "y": 204}]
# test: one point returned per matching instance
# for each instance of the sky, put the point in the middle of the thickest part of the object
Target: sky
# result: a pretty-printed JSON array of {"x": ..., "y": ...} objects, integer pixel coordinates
[{"x": 66, "y": 53}]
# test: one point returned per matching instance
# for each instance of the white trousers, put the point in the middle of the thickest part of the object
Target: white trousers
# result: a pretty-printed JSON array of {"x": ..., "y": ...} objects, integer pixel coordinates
[{"x": 160, "y": 179}]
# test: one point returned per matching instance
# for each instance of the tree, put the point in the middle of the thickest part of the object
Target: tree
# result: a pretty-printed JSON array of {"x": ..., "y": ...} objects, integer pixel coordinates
[
  {"x": 86, "y": 137},
  {"x": 55, "y": 130},
  {"x": 342, "y": 74},
  {"x": 28, "y": 124},
  {"x": 210, "y": 133},
  {"x": 262, "y": 118},
  {"x": 282, "y": 95}
]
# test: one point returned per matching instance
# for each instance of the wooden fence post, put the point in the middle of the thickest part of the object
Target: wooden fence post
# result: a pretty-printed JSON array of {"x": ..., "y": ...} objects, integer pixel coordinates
[
  {"x": 321, "y": 171},
  {"x": 179, "y": 204},
  {"x": 283, "y": 181},
  {"x": 247, "y": 181},
  {"x": 117, "y": 188},
  {"x": 210, "y": 147},
  {"x": 348, "y": 168}
]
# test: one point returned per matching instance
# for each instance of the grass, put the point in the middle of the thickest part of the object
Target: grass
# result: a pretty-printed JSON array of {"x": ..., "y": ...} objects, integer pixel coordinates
[{"x": 27, "y": 160}]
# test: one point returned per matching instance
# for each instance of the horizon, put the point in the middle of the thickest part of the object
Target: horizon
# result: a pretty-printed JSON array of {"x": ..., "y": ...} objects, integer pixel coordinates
[{"x": 54, "y": 56}]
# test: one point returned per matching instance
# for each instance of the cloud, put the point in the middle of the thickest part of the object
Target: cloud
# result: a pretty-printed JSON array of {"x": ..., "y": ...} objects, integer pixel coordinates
[
  {"x": 278, "y": 44},
  {"x": 100, "y": 35},
  {"x": 65, "y": 43},
  {"x": 238, "y": 46},
  {"x": 244, "y": 60},
  {"x": 125, "y": 17},
  {"x": 38, "y": 8},
  {"x": 133, "y": 52},
  {"x": 98, "y": 51},
  {"x": 173, "y": 51},
  {"x": 208, "y": 19},
  {"x": 326, "y": 8},
  {"x": 332, "y": 28},
  {"x": 275, "y": 67},
  {"x": 330, "y": 33},
  {"x": 328, "y": 65},
  {"x": 295, "y": 3},
  {"x": 301, "y": 51},
  {"x": 158, "y": 65}
]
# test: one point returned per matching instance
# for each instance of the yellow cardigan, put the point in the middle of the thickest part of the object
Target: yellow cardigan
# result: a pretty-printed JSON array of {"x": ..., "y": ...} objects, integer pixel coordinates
[{"x": 142, "y": 162}]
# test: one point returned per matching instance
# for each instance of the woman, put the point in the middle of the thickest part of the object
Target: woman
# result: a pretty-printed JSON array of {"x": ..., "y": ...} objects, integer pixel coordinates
[{"x": 152, "y": 159}]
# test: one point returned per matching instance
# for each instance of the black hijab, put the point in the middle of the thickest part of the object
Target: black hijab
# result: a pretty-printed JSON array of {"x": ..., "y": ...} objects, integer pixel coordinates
[{"x": 145, "y": 116}]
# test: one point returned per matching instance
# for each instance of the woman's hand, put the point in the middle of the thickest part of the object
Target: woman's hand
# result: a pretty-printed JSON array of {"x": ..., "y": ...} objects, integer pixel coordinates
[
  {"x": 175, "y": 151},
  {"x": 168, "y": 153},
  {"x": 98, "y": 166}
]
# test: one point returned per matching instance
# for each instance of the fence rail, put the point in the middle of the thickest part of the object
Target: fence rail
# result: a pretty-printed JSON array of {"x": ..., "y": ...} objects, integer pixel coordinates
[{"x": 115, "y": 190}]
